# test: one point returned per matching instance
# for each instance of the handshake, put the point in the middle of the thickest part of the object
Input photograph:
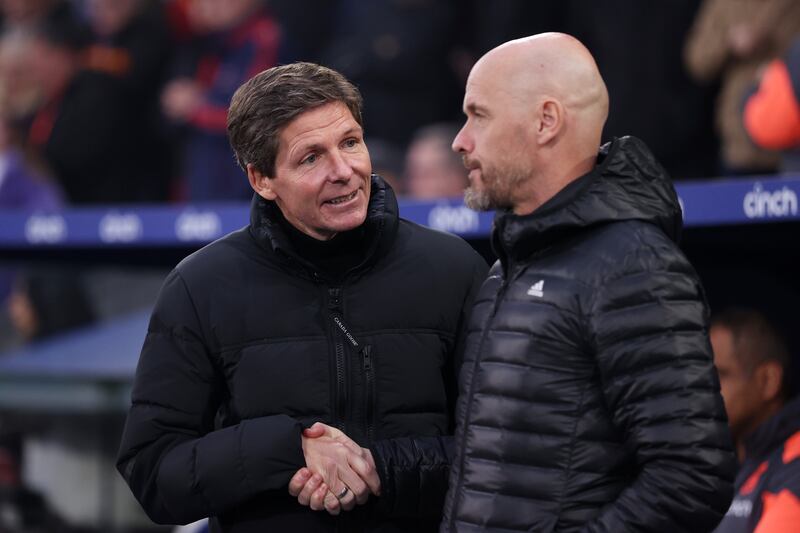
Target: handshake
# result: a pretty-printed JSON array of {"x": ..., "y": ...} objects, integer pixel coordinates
[{"x": 338, "y": 474}]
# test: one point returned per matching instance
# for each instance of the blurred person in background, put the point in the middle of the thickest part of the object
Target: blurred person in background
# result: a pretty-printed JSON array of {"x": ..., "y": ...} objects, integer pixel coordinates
[
  {"x": 20, "y": 93},
  {"x": 327, "y": 311},
  {"x": 387, "y": 162},
  {"x": 22, "y": 185},
  {"x": 228, "y": 41},
  {"x": 44, "y": 303},
  {"x": 27, "y": 14},
  {"x": 433, "y": 170},
  {"x": 753, "y": 364},
  {"x": 23, "y": 181},
  {"x": 729, "y": 41},
  {"x": 80, "y": 129},
  {"x": 131, "y": 45},
  {"x": 772, "y": 113}
]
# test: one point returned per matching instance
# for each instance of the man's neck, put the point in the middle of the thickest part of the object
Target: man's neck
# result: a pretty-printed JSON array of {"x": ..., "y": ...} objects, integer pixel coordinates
[
  {"x": 765, "y": 414},
  {"x": 538, "y": 190}
]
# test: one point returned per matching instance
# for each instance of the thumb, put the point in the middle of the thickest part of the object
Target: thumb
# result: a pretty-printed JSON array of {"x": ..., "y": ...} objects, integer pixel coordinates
[{"x": 316, "y": 430}]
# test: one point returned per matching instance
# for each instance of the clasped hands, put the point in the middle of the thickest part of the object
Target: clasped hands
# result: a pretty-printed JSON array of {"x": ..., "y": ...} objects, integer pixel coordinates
[{"x": 338, "y": 474}]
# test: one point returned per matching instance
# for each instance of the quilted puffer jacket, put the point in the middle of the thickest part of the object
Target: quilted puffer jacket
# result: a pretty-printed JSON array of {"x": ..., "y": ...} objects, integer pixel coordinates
[
  {"x": 588, "y": 397},
  {"x": 249, "y": 342}
]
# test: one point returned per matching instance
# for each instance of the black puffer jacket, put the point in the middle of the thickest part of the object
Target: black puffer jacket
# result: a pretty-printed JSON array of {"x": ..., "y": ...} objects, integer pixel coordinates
[
  {"x": 589, "y": 400},
  {"x": 244, "y": 349}
]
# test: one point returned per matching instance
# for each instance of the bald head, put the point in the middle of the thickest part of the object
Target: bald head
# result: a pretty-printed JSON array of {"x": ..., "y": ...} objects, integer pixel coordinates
[
  {"x": 550, "y": 65},
  {"x": 535, "y": 112}
]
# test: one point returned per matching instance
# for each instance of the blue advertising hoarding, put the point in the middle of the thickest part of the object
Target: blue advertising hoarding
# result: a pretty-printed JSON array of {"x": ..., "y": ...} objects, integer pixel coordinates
[{"x": 709, "y": 203}]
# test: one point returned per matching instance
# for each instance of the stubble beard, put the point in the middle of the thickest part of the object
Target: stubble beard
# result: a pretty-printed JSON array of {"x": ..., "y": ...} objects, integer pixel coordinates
[
  {"x": 496, "y": 192},
  {"x": 476, "y": 199}
]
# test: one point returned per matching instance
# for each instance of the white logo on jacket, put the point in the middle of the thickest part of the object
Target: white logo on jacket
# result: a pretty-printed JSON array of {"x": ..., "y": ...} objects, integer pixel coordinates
[{"x": 537, "y": 289}]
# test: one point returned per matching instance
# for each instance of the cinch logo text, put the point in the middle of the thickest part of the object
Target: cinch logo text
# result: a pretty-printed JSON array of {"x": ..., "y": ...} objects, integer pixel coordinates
[{"x": 759, "y": 203}]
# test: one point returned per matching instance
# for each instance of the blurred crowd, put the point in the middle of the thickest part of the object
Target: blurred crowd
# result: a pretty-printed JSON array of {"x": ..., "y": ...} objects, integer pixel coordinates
[{"x": 109, "y": 101}]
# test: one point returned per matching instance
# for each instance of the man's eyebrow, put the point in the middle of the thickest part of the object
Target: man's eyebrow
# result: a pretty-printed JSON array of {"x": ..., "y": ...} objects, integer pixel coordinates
[
  {"x": 474, "y": 108},
  {"x": 352, "y": 131},
  {"x": 314, "y": 146},
  {"x": 302, "y": 149}
]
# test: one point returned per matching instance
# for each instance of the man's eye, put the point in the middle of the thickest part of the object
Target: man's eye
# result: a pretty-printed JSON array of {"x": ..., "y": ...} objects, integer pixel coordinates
[
  {"x": 310, "y": 160},
  {"x": 349, "y": 143}
]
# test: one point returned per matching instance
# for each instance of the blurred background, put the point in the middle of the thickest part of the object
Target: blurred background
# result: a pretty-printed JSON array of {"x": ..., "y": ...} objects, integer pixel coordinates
[{"x": 112, "y": 113}]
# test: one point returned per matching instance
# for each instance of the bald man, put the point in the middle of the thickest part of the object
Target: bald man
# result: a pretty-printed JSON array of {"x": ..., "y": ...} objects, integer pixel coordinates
[{"x": 588, "y": 396}]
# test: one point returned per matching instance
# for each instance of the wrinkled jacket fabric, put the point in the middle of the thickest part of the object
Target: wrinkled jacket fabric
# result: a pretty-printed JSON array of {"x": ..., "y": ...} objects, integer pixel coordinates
[
  {"x": 588, "y": 398},
  {"x": 242, "y": 352}
]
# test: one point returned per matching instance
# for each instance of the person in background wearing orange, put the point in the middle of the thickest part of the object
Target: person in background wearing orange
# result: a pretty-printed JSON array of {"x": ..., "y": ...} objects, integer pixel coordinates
[
  {"x": 753, "y": 364},
  {"x": 772, "y": 112},
  {"x": 729, "y": 41}
]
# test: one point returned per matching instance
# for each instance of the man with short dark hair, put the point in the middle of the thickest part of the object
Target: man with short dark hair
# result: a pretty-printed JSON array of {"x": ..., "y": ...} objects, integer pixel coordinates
[
  {"x": 754, "y": 363},
  {"x": 589, "y": 400},
  {"x": 327, "y": 311}
]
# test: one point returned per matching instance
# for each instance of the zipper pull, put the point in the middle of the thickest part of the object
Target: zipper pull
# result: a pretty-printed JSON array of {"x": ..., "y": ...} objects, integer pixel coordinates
[
  {"x": 334, "y": 298},
  {"x": 366, "y": 353}
]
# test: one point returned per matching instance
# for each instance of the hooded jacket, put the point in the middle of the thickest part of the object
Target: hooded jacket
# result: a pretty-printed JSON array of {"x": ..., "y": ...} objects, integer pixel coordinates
[
  {"x": 250, "y": 342},
  {"x": 588, "y": 397}
]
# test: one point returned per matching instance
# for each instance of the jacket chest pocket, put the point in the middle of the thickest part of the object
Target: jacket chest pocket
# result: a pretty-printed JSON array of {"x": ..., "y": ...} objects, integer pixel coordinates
[{"x": 288, "y": 377}]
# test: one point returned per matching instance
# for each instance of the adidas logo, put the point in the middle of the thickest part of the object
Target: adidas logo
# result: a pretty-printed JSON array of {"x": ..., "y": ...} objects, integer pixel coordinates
[{"x": 537, "y": 289}]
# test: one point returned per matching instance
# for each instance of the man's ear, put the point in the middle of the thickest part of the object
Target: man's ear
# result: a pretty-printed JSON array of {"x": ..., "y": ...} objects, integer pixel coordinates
[
  {"x": 770, "y": 380},
  {"x": 551, "y": 120},
  {"x": 260, "y": 183}
]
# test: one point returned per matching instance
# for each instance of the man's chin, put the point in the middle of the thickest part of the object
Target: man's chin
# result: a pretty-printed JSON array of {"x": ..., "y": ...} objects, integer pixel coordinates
[{"x": 477, "y": 200}]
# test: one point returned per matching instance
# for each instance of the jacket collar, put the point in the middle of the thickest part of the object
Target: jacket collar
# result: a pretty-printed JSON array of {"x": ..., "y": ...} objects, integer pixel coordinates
[
  {"x": 380, "y": 229},
  {"x": 626, "y": 184},
  {"x": 774, "y": 432}
]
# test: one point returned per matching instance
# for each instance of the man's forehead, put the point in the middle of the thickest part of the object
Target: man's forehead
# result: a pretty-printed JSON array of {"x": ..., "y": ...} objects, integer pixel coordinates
[
  {"x": 333, "y": 117},
  {"x": 476, "y": 93},
  {"x": 722, "y": 342}
]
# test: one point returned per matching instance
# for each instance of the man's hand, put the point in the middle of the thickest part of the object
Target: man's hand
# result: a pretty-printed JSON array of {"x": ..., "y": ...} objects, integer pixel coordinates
[
  {"x": 311, "y": 491},
  {"x": 339, "y": 473},
  {"x": 180, "y": 98}
]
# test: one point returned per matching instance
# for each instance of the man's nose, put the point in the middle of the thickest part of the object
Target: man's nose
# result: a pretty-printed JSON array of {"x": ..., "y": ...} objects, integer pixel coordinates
[
  {"x": 460, "y": 144},
  {"x": 340, "y": 167}
]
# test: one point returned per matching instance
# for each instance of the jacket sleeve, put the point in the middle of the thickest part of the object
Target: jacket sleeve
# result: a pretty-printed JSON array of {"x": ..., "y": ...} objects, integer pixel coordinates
[
  {"x": 649, "y": 333},
  {"x": 414, "y": 471},
  {"x": 178, "y": 467}
]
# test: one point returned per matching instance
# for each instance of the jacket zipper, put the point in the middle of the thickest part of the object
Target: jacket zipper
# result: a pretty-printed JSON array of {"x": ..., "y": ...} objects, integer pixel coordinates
[
  {"x": 341, "y": 391},
  {"x": 369, "y": 380},
  {"x": 342, "y": 333},
  {"x": 340, "y": 397}
]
